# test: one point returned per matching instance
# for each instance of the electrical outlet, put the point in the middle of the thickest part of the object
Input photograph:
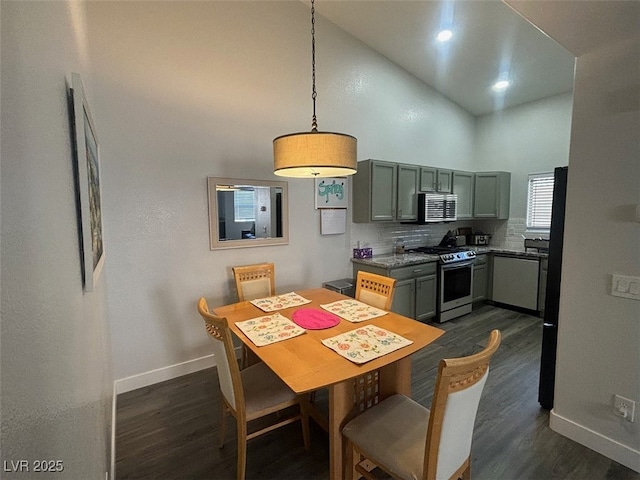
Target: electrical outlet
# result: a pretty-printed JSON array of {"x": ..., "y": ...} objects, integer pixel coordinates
[{"x": 623, "y": 407}]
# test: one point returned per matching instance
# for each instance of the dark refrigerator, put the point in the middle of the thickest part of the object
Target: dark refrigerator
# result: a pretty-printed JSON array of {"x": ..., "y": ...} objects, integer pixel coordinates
[{"x": 552, "y": 300}]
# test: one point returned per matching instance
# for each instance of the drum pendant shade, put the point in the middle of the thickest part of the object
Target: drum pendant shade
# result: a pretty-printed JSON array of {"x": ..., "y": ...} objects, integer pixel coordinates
[{"x": 315, "y": 154}]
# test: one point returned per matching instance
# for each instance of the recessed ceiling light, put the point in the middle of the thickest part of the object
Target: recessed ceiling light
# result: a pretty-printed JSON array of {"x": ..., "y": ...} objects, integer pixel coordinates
[
  {"x": 444, "y": 35},
  {"x": 500, "y": 86}
]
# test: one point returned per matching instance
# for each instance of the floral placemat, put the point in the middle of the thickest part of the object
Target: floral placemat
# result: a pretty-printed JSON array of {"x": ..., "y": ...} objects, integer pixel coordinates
[
  {"x": 269, "y": 329},
  {"x": 279, "y": 302},
  {"x": 366, "y": 343},
  {"x": 353, "y": 310}
]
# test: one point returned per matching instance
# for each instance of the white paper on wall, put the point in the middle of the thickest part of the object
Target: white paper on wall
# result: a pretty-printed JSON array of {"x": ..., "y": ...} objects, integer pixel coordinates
[{"x": 333, "y": 221}]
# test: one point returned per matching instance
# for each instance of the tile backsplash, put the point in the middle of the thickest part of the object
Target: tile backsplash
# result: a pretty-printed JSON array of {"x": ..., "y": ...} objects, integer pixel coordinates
[
  {"x": 382, "y": 237},
  {"x": 504, "y": 233}
]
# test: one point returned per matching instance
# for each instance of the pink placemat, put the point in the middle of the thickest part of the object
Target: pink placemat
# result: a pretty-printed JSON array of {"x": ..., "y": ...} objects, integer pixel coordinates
[{"x": 314, "y": 319}]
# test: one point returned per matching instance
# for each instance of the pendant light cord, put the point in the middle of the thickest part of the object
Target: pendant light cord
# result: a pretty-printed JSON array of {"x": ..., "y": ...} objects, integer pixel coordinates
[{"x": 314, "y": 94}]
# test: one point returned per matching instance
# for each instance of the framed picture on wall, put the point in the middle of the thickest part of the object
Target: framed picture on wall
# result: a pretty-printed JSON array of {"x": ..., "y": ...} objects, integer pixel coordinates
[
  {"x": 331, "y": 192},
  {"x": 87, "y": 159}
]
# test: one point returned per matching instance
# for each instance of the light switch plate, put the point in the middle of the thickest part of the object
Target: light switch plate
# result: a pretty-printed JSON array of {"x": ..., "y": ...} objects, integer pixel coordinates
[{"x": 627, "y": 287}]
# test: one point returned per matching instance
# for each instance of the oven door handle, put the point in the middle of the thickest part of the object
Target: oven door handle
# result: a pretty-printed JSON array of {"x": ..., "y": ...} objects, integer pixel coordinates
[{"x": 453, "y": 266}]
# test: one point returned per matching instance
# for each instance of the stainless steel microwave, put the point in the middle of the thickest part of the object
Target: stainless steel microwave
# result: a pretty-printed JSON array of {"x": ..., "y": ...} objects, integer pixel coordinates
[{"x": 437, "y": 207}]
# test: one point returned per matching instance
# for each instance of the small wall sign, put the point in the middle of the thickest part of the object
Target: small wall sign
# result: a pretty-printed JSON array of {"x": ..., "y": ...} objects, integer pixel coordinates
[{"x": 331, "y": 192}]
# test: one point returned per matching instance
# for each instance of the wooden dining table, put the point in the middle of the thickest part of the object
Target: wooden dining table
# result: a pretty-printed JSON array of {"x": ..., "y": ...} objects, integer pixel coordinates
[{"x": 307, "y": 365}]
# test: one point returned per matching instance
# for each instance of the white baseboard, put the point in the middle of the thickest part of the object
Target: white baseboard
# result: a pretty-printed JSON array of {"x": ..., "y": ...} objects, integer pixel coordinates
[
  {"x": 612, "y": 449},
  {"x": 161, "y": 374}
]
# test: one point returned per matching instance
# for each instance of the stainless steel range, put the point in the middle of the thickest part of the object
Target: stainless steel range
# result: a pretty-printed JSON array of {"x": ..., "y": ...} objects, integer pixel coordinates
[{"x": 455, "y": 280}]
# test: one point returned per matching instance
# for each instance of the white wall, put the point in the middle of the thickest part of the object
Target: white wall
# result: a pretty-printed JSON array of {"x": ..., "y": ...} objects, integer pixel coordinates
[
  {"x": 201, "y": 89},
  {"x": 599, "y": 335},
  {"x": 56, "y": 353},
  {"x": 530, "y": 138}
]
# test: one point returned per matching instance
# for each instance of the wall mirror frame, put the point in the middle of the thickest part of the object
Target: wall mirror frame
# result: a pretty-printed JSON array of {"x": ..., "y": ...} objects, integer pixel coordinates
[{"x": 247, "y": 213}]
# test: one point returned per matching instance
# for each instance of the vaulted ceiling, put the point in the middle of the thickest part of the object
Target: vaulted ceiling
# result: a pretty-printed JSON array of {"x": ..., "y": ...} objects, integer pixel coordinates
[{"x": 489, "y": 41}]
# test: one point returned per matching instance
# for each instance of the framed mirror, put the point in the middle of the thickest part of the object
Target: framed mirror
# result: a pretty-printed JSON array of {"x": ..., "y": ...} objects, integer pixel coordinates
[{"x": 247, "y": 213}]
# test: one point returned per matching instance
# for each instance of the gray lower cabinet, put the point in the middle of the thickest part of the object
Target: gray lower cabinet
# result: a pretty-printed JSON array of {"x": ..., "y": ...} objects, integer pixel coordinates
[
  {"x": 480, "y": 278},
  {"x": 415, "y": 291},
  {"x": 403, "y": 298},
  {"x": 426, "y": 297}
]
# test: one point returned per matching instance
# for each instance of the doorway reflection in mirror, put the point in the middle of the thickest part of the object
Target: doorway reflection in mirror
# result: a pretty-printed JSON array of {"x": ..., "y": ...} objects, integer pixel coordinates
[{"x": 247, "y": 212}]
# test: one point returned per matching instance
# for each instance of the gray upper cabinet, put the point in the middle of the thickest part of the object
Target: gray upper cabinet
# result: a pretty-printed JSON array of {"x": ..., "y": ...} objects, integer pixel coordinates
[
  {"x": 444, "y": 180},
  {"x": 385, "y": 191},
  {"x": 492, "y": 195},
  {"x": 463, "y": 185},
  {"x": 407, "y": 190},
  {"x": 435, "y": 180},
  {"x": 375, "y": 191}
]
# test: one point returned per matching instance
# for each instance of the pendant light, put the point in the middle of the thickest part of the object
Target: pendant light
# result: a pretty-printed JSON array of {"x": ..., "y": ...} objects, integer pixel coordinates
[{"x": 314, "y": 154}]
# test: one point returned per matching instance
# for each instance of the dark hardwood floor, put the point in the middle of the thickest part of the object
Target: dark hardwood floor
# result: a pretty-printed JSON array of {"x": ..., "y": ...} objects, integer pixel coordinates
[{"x": 170, "y": 430}]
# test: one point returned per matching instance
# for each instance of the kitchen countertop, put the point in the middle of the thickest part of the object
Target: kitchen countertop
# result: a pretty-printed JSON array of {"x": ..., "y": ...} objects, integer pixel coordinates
[
  {"x": 517, "y": 253},
  {"x": 390, "y": 260}
]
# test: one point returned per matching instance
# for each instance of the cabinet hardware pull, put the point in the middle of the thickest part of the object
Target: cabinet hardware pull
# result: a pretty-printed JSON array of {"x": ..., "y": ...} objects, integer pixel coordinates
[{"x": 417, "y": 270}]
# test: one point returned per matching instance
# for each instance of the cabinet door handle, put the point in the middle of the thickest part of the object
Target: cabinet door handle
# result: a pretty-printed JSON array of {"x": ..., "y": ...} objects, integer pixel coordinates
[{"x": 417, "y": 270}]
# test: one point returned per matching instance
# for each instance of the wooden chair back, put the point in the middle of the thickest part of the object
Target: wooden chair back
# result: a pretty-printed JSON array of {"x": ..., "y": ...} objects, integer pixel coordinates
[
  {"x": 255, "y": 281},
  {"x": 455, "y": 403},
  {"x": 375, "y": 290},
  {"x": 228, "y": 369},
  {"x": 263, "y": 393}
]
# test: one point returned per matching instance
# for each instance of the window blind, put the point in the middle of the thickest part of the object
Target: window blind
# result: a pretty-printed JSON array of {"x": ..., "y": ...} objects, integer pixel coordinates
[
  {"x": 244, "y": 206},
  {"x": 539, "y": 201}
]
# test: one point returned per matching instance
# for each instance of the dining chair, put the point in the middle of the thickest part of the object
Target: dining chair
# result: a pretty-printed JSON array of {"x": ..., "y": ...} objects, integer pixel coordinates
[
  {"x": 411, "y": 442},
  {"x": 253, "y": 281},
  {"x": 251, "y": 393},
  {"x": 375, "y": 290}
]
